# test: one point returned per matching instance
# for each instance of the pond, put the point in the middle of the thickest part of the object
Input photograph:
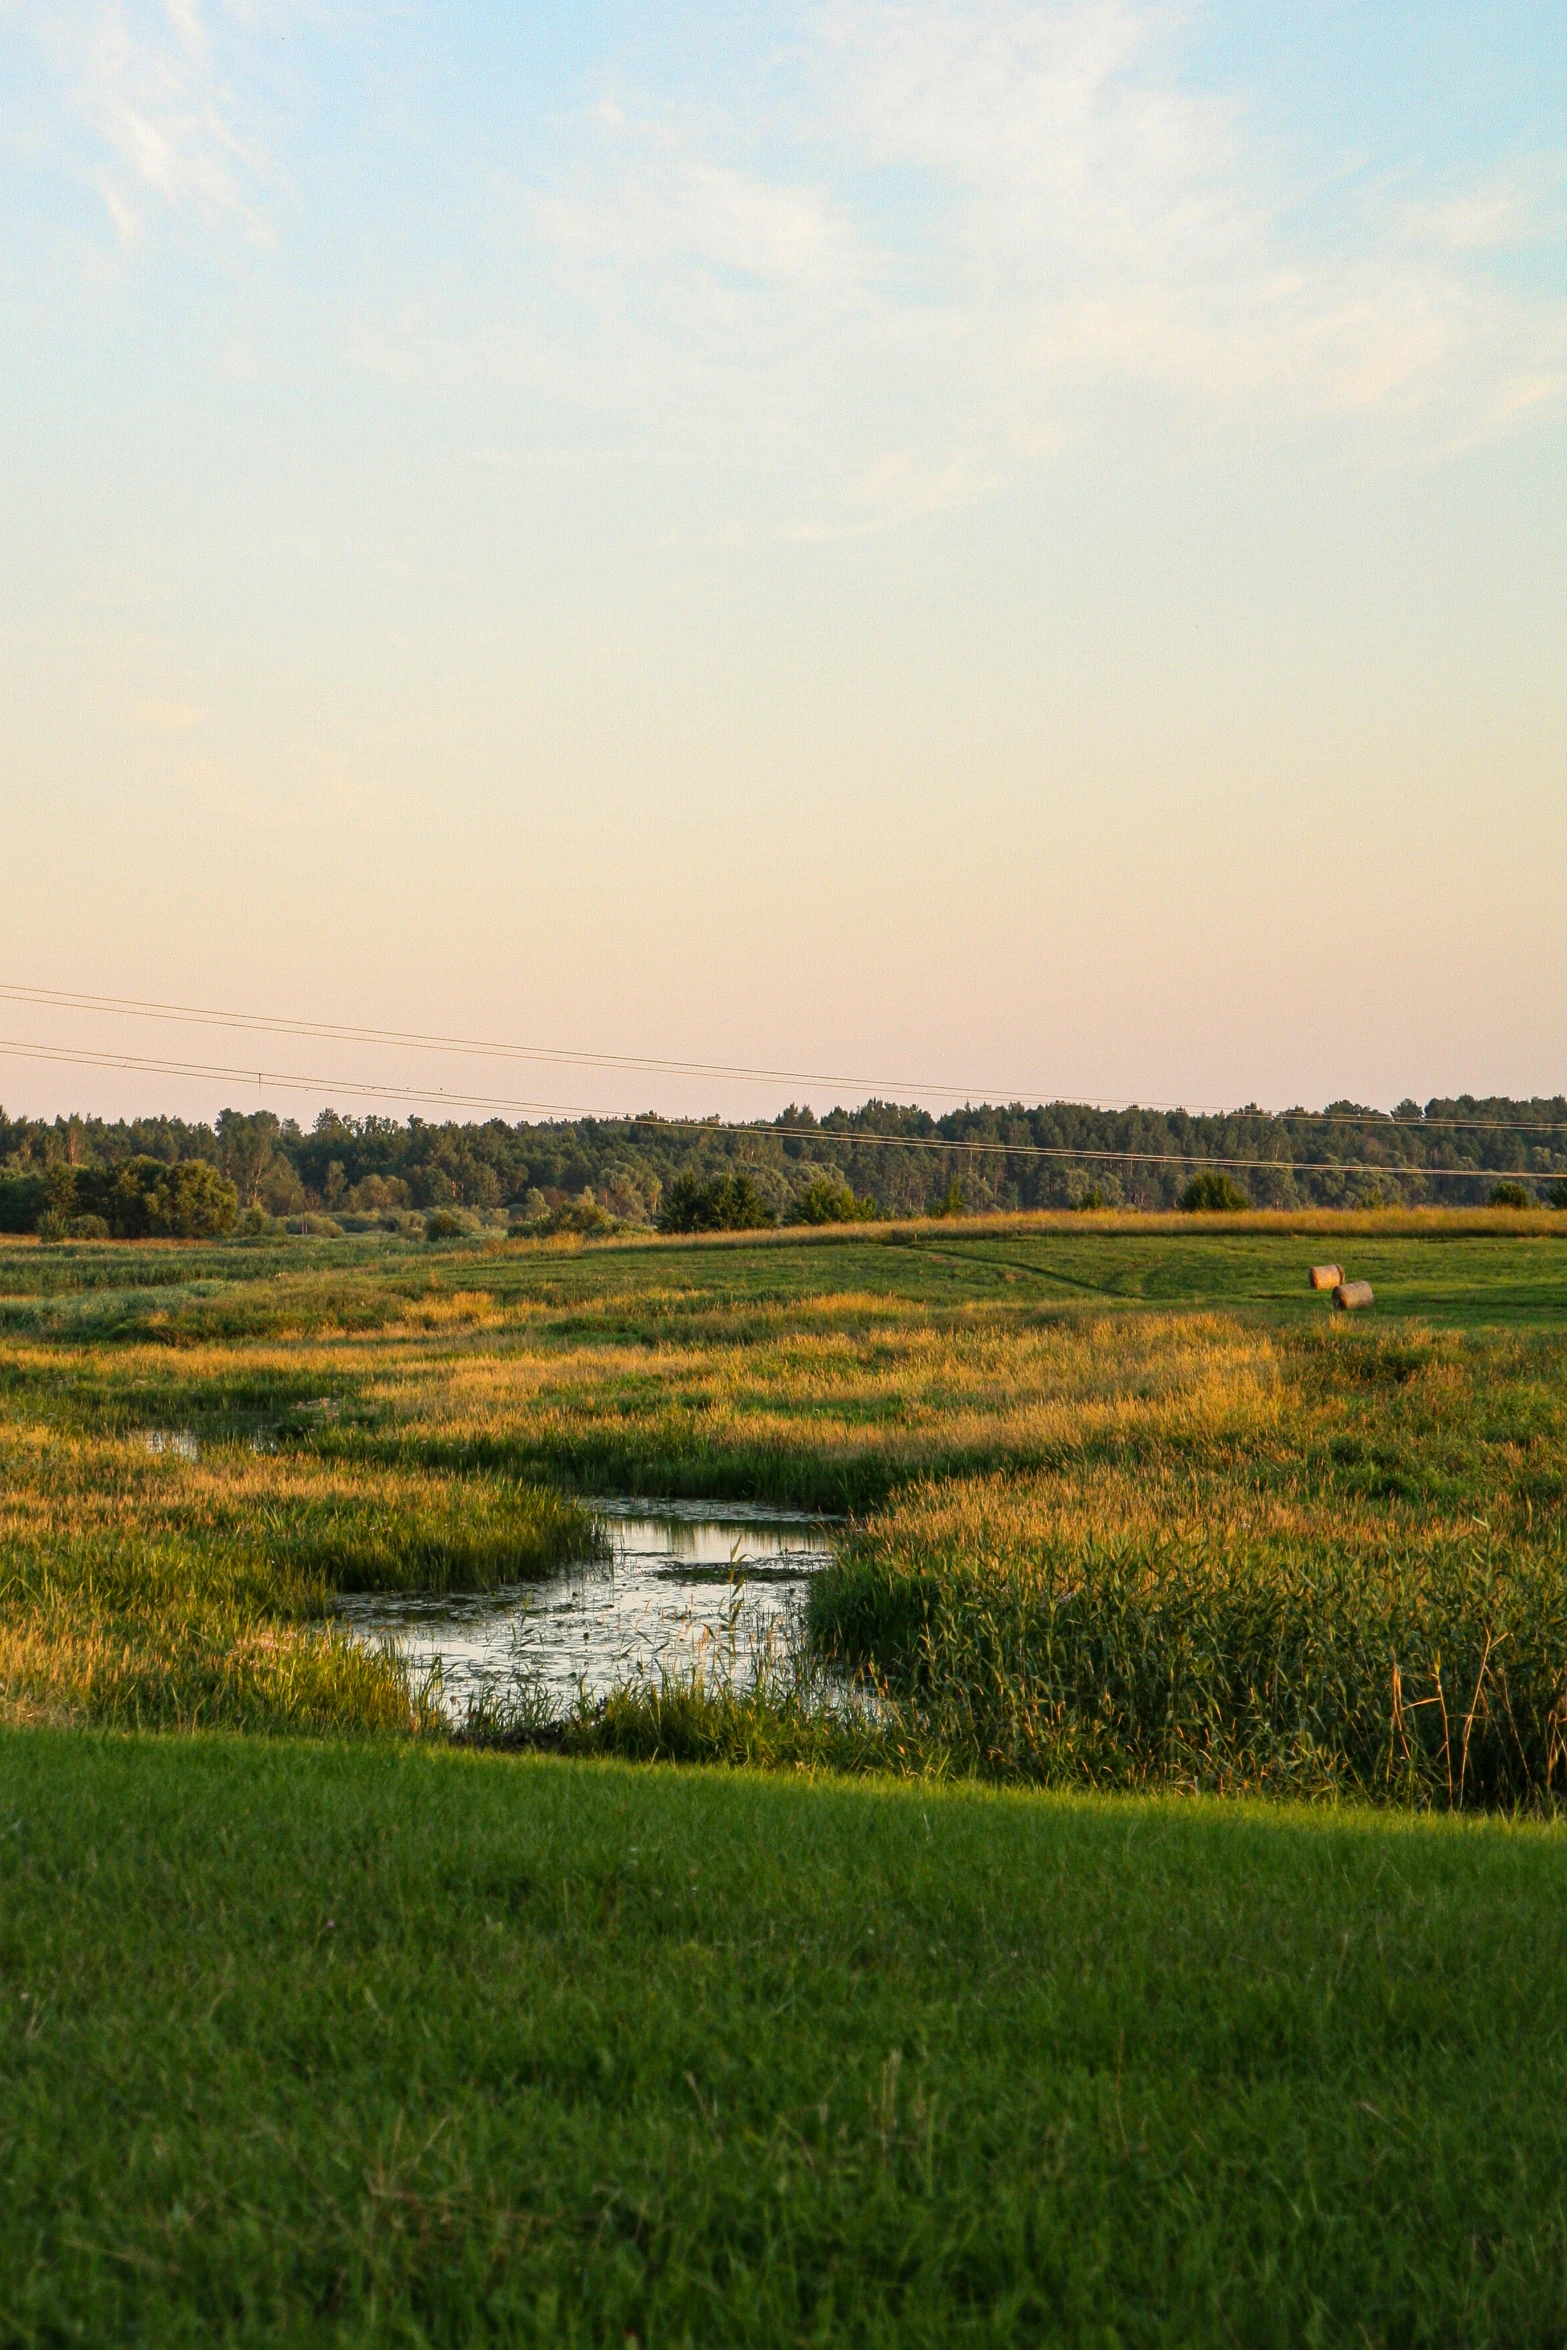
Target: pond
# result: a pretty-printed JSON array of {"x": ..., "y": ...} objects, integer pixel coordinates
[{"x": 686, "y": 1583}]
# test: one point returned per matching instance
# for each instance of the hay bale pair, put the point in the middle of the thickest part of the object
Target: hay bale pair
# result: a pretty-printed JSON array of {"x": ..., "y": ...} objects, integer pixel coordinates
[{"x": 1348, "y": 1296}]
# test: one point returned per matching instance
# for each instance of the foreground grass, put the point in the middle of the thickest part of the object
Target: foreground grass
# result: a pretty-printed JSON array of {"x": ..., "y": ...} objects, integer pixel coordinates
[{"x": 303, "y": 2043}]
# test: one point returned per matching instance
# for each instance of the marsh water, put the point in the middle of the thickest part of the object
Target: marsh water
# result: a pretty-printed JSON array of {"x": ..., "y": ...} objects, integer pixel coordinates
[{"x": 685, "y": 1584}]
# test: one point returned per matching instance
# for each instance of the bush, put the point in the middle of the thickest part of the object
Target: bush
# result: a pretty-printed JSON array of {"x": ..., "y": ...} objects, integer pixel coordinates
[
  {"x": 582, "y": 1215},
  {"x": 87, "y": 1228},
  {"x": 256, "y": 1224},
  {"x": 21, "y": 1202},
  {"x": 729, "y": 1203},
  {"x": 953, "y": 1201},
  {"x": 1510, "y": 1195},
  {"x": 584, "y": 1218},
  {"x": 440, "y": 1224},
  {"x": 144, "y": 1199},
  {"x": 1213, "y": 1194},
  {"x": 826, "y": 1201}
]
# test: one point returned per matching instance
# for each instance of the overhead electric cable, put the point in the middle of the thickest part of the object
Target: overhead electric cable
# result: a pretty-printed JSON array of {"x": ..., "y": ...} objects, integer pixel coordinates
[
  {"x": 344, "y": 1032},
  {"x": 854, "y": 1138}
]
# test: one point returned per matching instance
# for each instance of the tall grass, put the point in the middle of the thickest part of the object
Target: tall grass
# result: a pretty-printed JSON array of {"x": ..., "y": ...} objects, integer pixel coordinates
[
  {"x": 153, "y": 1591},
  {"x": 1425, "y": 1669},
  {"x": 1357, "y": 1585},
  {"x": 833, "y": 1406}
]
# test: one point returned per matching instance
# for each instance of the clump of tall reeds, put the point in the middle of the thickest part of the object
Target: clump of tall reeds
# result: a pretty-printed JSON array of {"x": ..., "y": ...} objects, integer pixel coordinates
[
  {"x": 1416, "y": 1667},
  {"x": 185, "y": 1653}
]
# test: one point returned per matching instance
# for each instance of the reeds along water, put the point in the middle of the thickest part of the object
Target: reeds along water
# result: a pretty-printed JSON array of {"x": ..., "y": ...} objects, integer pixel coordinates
[
  {"x": 1353, "y": 1582},
  {"x": 1424, "y": 1671},
  {"x": 150, "y": 1589}
]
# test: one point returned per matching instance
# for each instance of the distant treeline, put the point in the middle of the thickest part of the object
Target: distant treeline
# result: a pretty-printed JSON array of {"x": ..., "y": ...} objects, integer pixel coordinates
[{"x": 882, "y": 1159}]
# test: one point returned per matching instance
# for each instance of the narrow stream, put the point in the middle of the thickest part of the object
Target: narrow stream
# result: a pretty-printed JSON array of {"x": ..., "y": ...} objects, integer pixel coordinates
[{"x": 687, "y": 1583}]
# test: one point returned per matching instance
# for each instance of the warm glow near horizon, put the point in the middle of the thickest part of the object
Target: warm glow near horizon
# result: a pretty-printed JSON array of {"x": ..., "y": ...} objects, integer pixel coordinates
[{"x": 1013, "y": 548}]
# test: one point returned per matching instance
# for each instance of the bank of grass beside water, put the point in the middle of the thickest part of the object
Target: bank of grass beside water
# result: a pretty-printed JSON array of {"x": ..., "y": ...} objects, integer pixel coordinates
[
  {"x": 149, "y": 1590},
  {"x": 1395, "y": 1666},
  {"x": 305, "y": 2043}
]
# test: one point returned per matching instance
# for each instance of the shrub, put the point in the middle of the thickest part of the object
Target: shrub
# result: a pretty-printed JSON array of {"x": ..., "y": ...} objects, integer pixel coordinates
[
  {"x": 21, "y": 1202},
  {"x": 440, "y": 1224},
  {"x": 1213, "y": 1194},
  {"x": 729, "y": 1203},
  {"x": 828, "y": 1201},
  {"x": 582, "y": 1216},
  {"x": 953, "y": 1201},
  {"x": 145, "y": 1198},
  {"x": 87, "y": 1228},
  {"x": 1510, "y": 1195}
]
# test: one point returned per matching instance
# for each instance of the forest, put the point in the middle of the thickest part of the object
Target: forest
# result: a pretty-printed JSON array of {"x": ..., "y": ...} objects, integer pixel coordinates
[{"x": 882, "y": 1159}]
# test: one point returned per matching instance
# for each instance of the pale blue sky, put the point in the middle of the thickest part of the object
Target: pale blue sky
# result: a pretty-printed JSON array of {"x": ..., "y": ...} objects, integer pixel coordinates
[{"x": 1018, "y": 545}]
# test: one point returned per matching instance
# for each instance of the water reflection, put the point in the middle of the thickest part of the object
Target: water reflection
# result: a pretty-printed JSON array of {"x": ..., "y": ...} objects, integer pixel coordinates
[{"x": 687, "y": 1583}]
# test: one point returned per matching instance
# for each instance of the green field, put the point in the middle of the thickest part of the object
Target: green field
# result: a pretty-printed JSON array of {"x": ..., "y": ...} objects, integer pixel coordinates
[
  {"x": 1469, "y": 1270},
  {"x": 318, "y": 2044},
  {"x": 338, "y": 2033}
]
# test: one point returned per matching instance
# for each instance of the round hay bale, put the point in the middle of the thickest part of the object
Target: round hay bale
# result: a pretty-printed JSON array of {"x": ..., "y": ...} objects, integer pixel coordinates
[
  {"x": 1350, "y": 1296},
  {"x": 1326, "y": 1276}
]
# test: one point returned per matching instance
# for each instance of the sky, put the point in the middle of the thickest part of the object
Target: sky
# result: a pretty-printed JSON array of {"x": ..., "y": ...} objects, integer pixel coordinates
[{"x": 1004, "y": 551}]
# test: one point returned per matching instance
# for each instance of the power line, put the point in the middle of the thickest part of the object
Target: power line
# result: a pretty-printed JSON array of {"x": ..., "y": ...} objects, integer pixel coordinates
[
  {"x": 346, "y": 1032},
  {"x": 257, "y": 1023},
  {"x": 815, "y": 1134}
]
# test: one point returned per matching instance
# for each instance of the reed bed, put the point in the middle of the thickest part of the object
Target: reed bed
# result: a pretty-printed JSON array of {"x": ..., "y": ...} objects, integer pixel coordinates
[
  {"x": 1421, "y": 1670},
  {"x": 836, "y": 1418},
  {"x": 146, "y": 1589},
  {"x": 1365, "y": 1596}
]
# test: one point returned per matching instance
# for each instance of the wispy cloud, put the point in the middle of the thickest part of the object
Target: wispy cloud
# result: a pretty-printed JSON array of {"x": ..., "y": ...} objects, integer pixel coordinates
[
  {"x": 955, "y": 229},
  {"x": 1109, "y": 223},
  {"x": 922, "y": 247},
  {"x": 164, "y": 126},
  {"x": 652, "y": 193}
]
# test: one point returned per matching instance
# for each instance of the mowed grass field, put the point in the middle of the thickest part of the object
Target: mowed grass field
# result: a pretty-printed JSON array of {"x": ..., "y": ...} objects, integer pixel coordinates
[
  {"x": 1002, "y": 2010},
  {"x": 313, "y": 2043}
]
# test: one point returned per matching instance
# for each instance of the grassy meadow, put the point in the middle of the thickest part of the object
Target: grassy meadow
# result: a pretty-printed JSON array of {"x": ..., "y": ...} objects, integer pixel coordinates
[
  {"x": 317, "y": 2042},
  {"x": 976, "y": 2015},
  {"x": 1130, "y": 1506}
]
